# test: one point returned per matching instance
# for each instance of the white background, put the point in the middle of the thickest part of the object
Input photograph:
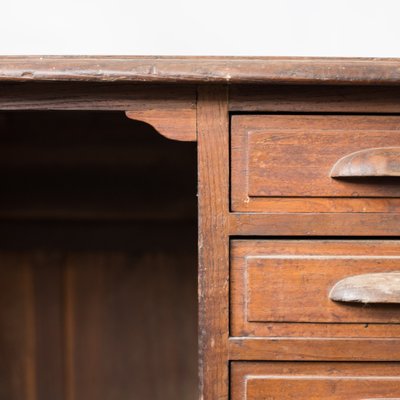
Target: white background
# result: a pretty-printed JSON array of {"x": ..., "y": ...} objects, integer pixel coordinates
[{"x": 352, "y": 28}]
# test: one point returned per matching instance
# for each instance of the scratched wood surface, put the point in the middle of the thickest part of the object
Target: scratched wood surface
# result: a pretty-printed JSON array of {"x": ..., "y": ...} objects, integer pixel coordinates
[
  {"x": 170, "y": 109},
  {"x": 105, "y": 96},
  {"x": 319, "y": 348},
  {"x": 221, "y": 70},
  {"x": 315, "y": 224},
  {"x": 283, "y": 162},
  {"x": 314, "y": 98},
  {"x": 213, "y": 161},
  {"x": 282, "y": 288}
]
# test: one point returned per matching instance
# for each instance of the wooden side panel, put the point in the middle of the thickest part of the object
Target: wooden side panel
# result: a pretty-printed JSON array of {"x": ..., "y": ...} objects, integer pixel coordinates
[
  {"x": 213, "y": 164},
  {"x": 315, "y": 381}
]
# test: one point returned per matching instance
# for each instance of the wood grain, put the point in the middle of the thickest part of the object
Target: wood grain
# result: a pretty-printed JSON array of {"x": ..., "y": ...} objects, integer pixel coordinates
[
  {"x": 82, "y": 307},
  {"x": 315, "y": 224},
  {"x": 87, "y": 96},
  {"x": 291, "y": 156},
  {"x": 315, "y": 349},
  {"x": 213, "y": 164},
  {"x": 30, "y": 342},
  {"x": 314, "y": 381},
  {"x": 117, "y": 347},
  {"x": 17, "y": 330},
  {"x": 312, "y": 98},
  {"x": 255, "y": 70},
  {"x": 176, "y": 124},
  {"x": 115, "y": 286},
  {"x": 289, "y": 282}
]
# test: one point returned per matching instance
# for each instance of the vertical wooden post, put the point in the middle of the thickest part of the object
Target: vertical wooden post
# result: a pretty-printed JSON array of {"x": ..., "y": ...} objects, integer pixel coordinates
[{"x": 213, "y": 190}]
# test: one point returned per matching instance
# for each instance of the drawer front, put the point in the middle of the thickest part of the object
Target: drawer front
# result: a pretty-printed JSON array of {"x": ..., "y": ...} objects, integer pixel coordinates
[
  {"x": 314, "y": 381},
  {"x": 299, "y": 163},
  {"x": 285, "y": 287}
]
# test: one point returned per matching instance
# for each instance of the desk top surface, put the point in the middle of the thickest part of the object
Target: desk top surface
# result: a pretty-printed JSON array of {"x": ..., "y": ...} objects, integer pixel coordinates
[{"x": 202, "y": 70}]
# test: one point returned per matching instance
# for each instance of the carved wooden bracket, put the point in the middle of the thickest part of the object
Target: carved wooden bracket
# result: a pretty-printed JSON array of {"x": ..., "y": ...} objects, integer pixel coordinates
[
  {"x": 171, "y": 110},
  {"x": 175, "y": 124}
]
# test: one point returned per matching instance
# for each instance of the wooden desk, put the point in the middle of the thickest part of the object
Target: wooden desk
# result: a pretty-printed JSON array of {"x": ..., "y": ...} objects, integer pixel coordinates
[{"x": 298, "y": 228}]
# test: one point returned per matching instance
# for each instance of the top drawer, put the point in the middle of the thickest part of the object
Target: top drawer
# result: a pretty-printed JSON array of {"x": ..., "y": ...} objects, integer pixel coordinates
[{"x": 315, "y": 163}]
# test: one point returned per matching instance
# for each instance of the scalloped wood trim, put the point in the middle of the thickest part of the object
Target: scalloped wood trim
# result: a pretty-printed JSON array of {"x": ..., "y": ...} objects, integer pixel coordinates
[{"x": 176, "y": 124}]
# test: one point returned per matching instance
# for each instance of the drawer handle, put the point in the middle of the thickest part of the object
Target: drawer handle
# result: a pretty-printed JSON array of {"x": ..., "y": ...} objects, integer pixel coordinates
[
  {"x": 368, "y": 288},
  {"x": 384, "y": 161}
]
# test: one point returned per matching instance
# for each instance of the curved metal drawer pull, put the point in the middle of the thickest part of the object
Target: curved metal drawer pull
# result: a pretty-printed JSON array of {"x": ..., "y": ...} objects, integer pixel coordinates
[
  {"x": 384, "y": 161},
  {"x": 368, "y": 288}
]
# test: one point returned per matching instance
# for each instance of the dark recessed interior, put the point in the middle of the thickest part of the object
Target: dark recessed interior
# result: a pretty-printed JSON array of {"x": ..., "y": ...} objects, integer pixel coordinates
[{"x": 98, "y": 259}]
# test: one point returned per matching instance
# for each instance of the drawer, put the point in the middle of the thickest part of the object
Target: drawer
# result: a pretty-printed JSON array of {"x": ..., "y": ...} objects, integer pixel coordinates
[
  {"x": 315, "y": 163},
  {"x": 314, "y": 381},
  {"x": 312, "y": 288}
]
